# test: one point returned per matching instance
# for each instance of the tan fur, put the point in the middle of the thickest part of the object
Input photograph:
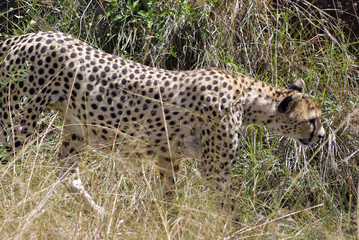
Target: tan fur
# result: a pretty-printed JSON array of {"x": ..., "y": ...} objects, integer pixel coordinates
[{"x": 109, "y": 101}]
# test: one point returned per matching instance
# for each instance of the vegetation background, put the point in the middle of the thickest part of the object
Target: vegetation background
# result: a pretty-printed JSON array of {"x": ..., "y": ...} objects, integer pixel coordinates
[{"x": 285, "y": 191}]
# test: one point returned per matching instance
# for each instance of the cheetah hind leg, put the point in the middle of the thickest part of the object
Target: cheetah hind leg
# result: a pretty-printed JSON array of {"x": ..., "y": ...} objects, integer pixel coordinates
[
  {"x": 69, "y": 161},
  {"x": 168, "y": 170}
]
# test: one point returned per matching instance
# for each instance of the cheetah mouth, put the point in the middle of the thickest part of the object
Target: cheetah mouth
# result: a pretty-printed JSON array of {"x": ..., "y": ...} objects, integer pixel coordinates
[
  {"x": 308, "y": 141},
  {"x": 305, "y": 142}
]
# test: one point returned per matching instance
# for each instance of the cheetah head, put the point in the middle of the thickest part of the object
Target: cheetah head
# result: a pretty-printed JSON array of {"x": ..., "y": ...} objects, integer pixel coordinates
[{"x": 299, "y": 117}]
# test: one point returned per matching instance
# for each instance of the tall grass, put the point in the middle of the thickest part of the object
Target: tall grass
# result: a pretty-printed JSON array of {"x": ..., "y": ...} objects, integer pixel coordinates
[{"x": 283, "y": 189}]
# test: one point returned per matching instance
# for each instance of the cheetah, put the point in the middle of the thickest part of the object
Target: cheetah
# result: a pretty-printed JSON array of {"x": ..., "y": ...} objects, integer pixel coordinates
[{"x": 104, "y": 99}]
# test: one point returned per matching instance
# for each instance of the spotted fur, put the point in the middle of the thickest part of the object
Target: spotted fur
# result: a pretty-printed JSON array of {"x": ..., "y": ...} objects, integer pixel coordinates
[{"x": 107, "y": 101}]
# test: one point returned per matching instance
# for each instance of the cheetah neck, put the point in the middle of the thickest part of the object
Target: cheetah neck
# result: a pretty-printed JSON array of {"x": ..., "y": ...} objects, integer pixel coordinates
[{"x": 260, "y": 102}]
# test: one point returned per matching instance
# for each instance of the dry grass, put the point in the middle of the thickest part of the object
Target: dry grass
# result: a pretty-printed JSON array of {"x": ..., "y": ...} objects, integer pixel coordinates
[{"x": 37, "y": 206}]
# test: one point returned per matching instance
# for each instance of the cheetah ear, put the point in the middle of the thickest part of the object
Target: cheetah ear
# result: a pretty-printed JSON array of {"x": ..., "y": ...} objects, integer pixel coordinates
[
  {"x": 299, "y": 86},
  {"x": 287, "y": 101}
]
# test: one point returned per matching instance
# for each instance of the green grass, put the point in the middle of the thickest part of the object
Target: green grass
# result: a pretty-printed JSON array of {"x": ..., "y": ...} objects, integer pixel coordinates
[{"x": 282, "y": 191}]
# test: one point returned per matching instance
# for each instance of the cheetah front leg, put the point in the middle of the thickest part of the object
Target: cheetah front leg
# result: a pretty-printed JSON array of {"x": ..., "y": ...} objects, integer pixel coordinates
[
  {"x": 168, "y": 170},
  {"x": 219, "y": 154}
]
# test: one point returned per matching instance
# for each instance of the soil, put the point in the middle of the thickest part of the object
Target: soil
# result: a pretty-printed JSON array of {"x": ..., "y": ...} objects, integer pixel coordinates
[{"x": 346, "y": 11}]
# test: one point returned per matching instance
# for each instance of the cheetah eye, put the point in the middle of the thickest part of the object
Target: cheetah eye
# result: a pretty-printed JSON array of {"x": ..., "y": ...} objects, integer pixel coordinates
[{"x": 312, "y": 123}]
